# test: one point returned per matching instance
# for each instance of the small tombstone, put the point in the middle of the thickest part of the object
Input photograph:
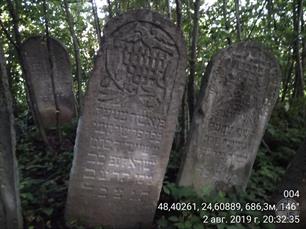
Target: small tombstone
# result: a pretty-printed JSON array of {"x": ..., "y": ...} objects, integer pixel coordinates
[
  {"x": 39, "y": 64},
  {"x": 10, "y": 211},
  {"x": 291, "y": 194},
  {"x": 126, "y": 130},
  {"x": 235, "y": 102}
]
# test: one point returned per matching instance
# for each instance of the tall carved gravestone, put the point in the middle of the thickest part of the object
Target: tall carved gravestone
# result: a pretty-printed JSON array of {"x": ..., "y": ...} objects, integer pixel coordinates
[
  {"x": 237, "y": 96},
  {"x": 10, "y": 211},
  {"x": 126, "y": 130},
  {"x": 50, "y": 69}
]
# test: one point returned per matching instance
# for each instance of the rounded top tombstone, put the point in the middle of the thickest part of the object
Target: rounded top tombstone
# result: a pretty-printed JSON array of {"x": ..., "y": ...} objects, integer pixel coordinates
[
  {"x": 238, "y": 92},
  {"x": 127, "y": 126},
  {"x": 50, "y": 79}
]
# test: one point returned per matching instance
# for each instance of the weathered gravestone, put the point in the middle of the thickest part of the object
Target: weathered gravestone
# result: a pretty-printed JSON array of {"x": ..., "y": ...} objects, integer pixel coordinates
[
  {"x": 237, "y": 96},
  {"x": 10, "y": 211},
  {"x": 40, "y": 64},
  {"x": 126, "y": 130},
  {"x": 294, "y": 182}
]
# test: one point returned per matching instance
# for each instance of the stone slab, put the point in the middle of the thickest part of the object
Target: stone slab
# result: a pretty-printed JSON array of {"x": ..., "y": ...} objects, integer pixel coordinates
[
  {"x": 37, "y": 63},
  {"x": 237, "y": 96},
  {"x": 126, "y": 131}
]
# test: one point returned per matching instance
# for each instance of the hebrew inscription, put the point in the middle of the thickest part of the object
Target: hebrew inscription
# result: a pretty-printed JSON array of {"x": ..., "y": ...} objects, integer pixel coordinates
[
  {"x": 40, "y": 63},
  {"x": 237, "y": 96},
  {"x": 126, "y": 131},
  {"x": 10, "y": 212}
]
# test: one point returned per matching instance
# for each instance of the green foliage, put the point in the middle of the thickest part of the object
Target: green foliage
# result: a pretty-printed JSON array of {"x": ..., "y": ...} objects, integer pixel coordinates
[
  {"x": 201, "y": 216},
  {"x": 283, "y": 136},
  {"x": 43, "y": 177}
]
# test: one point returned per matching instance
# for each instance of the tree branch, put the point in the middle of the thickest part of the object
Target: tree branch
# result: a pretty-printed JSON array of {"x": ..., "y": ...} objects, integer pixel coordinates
[
  {"x": 178, "y": 13},
  {"x": 192, "y": 62},
  {"x": 238, "y": 25},
  {"x": 31, "y": 97},
  {"x": 229, "y": 42},
  {"x": 76, "y": 49},
  {"x": 258, "y": 16}
]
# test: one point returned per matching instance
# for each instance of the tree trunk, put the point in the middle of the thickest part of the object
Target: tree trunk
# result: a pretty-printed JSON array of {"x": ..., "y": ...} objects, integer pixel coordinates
[
  {"x": 229, "y": 42},
  {"x": 117, "y": 7},
  {"x": 109, "y": 6},
  {"x": 9, "y": 195},
  {"x": 168, "y": 9},
  {"x": 50, "y": 60},
  {"x": 238, "y": 25},
  {"x": 148, "y": 4},
  {"x": 9, "y": 70},
  {"x": 288, "y": 73},
  {"x": 78, "y": 70},
  {"x": 192, "y": 62},
  {"x": 303, "y": 32},
  {"x": 31, "y": 97},
  {"x": 269, "y": 18},
  {"x": 299, "y": 79},
  {"x": 190, "y": 18},
  {"x": 184, "y": 108},
  {"x": 254, "y": 23},
  {"x": 178, "y": 13},
  {"x": 96, "y": 21}
]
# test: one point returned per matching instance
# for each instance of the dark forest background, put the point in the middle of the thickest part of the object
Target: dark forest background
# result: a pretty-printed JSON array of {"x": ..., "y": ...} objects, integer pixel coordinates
[{"x": 207, "y": 27}]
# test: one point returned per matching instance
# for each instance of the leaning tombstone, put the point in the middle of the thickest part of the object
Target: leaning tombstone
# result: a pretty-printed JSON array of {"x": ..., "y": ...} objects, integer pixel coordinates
[
  {"x": 51, "y": 80},
  {"x": 126, "y": 130},
  {"x": 236, "y": 99},
  {"x": 10, "y": 211}
]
